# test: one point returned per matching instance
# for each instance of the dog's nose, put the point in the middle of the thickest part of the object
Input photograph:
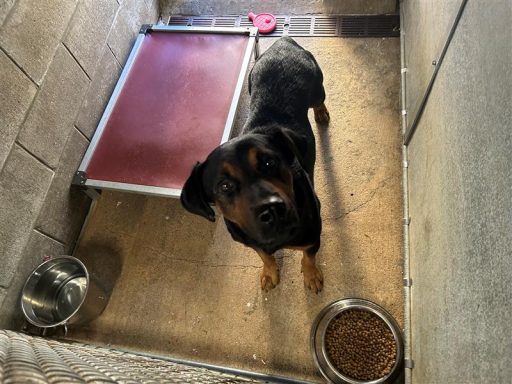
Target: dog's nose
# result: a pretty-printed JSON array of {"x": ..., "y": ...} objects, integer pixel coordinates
[{"x": 271, "y": 213}]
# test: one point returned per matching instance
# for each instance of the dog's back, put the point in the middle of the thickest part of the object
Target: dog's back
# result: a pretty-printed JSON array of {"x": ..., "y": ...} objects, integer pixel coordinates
[{"x": 284, "y": 82}]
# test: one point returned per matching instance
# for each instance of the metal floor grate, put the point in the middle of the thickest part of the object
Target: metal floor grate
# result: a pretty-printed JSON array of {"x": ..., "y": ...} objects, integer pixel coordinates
[
  {"x": 27, "y": 359},
  {"x": 328, "y": 26}
]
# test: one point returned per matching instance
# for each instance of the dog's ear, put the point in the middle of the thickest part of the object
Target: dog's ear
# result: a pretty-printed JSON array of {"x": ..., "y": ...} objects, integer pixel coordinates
[
  {"x": 193, "y": 197},
  {"x": 290, "y": 143}
]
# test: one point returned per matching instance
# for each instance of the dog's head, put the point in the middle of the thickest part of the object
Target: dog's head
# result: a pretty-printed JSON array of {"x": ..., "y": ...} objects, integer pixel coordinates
[{"x": 250, "y": 179}]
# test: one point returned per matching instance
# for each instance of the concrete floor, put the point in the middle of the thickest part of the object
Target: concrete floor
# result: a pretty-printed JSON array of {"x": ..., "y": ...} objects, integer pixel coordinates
[{"x": 181, "y": 287}]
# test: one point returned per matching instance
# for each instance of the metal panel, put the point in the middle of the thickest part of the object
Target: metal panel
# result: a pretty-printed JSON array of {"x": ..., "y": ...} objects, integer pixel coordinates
[
  {"x": 411, "y": 127},
  {"x": 427, "y": 24},
  {"x": 460, "y": 188},
  {"x": 250, "y": 31},
  {"x": 135, "y": 188}
]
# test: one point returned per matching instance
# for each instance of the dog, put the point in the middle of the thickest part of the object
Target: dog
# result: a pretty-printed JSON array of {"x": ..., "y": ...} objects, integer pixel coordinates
[{"x": 262, "y": 181}]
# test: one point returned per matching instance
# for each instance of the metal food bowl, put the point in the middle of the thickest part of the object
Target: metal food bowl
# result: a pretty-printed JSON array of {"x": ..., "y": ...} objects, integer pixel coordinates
[
  {"x": 60, "y": 291},
  {"x": 318, "y": 348}
]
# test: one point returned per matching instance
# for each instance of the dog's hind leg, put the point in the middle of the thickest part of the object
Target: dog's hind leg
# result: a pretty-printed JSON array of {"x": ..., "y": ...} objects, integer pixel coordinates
[
  {"x": 313, "y": 278},
  {"x": 318, "y": 98},
  {"x": 322, "y": 114},
  {"x": 269, "y": 277}
]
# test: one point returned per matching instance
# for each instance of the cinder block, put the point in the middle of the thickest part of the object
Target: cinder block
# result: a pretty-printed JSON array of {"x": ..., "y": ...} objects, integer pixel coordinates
[
  {"x": 24, "y": 182},
  {"x": 153, "y": 11},
  {"x": 130, "y": 17},
  {"x": 65, "y": 207},
  {"x": 33, "y": 31},
  {"x": 88, "y": 31},
  {"x": 51, "y": 118},
  {"x": 96, "y": 99},
  {"x": 37, "y": 248},
  {"x": 17, "y": 92},
  {"x": 5, "y": 7}
]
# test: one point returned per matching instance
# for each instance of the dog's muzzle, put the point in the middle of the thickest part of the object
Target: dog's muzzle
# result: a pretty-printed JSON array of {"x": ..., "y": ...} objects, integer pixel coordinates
[{"x": 275, "y": 219}]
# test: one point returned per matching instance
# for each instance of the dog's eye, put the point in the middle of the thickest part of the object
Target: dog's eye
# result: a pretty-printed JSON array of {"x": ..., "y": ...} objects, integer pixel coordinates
[
  {"x": 226, "y": 186},
  {"x": 268, "y": 163}
]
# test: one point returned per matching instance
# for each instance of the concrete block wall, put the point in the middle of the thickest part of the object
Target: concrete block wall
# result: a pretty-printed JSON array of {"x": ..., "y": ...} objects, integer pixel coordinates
[
  {"x": 300, "y": 7},
  {"x": 59, "y": 62}
]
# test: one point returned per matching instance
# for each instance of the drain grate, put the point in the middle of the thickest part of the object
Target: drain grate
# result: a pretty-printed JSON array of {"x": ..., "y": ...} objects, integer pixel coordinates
[
  {"x": 328, "y": 26},
  {"x": 369, "y": 26}
]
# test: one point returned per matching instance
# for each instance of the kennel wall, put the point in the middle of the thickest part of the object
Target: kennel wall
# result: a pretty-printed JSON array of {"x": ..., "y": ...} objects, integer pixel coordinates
[{"x": 459, "y": 189}]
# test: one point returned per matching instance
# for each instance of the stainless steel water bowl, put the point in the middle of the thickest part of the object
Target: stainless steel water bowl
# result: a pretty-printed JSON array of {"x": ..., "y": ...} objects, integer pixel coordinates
[
  {"x": 60, "y": 291},
  {"x": 318, "y": 348}
]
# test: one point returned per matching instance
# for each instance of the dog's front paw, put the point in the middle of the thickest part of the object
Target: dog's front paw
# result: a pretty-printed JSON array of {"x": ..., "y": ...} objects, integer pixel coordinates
[
  {"x": 322, "y": 116},
  {"x": 269, "y": 278},
  {"x": 313, "y": 278}
]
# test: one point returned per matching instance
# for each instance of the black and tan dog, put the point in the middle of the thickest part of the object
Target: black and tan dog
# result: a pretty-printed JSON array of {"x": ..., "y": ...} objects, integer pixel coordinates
[{"x": 262, "y": 181}]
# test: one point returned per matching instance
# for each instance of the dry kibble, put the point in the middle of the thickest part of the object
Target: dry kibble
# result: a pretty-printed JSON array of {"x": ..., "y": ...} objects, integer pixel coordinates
[{"x": 360, "y": 345}]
